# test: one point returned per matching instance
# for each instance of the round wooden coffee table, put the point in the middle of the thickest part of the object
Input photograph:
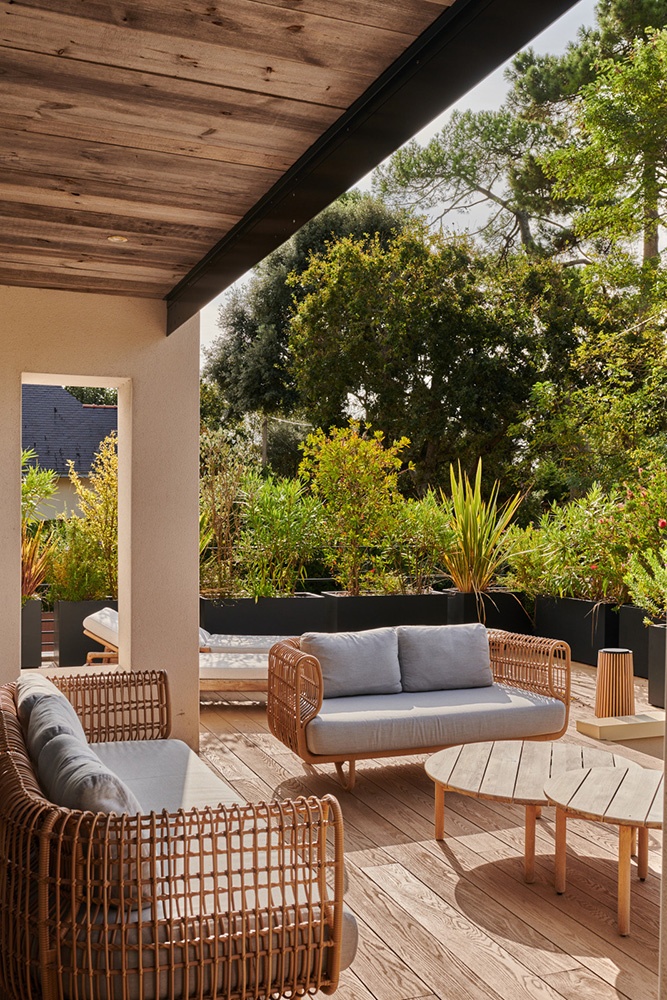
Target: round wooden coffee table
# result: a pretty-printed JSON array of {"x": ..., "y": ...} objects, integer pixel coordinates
[
  {"x": 631, "y": 799},
  {"x": 510, "y": 771}
]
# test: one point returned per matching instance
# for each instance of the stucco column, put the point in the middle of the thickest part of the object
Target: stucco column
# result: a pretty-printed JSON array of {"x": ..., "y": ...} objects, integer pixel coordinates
[
  {"x": 158, "y": 557},
  {"x": 10, "y": 523}
]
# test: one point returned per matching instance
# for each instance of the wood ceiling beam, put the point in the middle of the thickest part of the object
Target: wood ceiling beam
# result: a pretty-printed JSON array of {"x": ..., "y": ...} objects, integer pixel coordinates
[{"x": 462, "y": 46}]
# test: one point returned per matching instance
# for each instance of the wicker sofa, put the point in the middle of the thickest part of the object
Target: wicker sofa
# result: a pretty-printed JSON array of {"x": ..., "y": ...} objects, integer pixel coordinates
[
  {"x": 355, "y": 696},
  {"x": 197, "y": 894}
]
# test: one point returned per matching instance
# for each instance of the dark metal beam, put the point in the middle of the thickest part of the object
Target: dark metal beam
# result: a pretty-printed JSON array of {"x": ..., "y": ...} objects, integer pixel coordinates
[{"x": 466, "y": 43}]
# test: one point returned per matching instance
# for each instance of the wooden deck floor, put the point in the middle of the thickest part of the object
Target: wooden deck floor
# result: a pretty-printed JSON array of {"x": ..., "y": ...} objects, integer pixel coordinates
[{"x": 455, "y": 920}]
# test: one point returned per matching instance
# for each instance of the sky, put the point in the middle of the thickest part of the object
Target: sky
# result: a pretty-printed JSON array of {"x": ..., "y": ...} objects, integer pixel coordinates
[{"x": 486, "y": 96}]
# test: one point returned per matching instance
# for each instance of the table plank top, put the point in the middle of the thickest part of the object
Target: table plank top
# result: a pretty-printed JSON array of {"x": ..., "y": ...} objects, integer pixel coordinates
[
  {"x": 513, "y": 770},
  {"x": 624, "y": 796}
]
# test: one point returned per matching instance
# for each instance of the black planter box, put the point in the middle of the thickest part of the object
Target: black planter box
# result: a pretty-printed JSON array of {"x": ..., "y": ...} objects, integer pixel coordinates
[
  {"x": 71, "y": 646},
  {"x": 353, "y": 614},
  {"x": 31, "y": 634},
  {"x": 634, "y": 635},
  {"x": 266, "y": 615},
  {"x": 586, "y": 626},
  {"x": 501, "y": 610},
  {"x": 656, "y": 665}
]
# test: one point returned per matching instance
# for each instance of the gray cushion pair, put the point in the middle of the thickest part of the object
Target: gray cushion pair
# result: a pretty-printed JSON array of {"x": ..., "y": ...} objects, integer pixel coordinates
[
  {"x": 68, "y": 769},
  {"x": 406, "y": 658}
]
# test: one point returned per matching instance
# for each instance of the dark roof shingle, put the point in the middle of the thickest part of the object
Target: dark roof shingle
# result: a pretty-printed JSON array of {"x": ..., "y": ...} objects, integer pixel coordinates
[{"x": 58, "y": 427}]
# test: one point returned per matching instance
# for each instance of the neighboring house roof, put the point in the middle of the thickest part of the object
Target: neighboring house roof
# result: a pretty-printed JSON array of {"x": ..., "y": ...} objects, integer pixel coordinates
[{"x": 58, "y": 427}]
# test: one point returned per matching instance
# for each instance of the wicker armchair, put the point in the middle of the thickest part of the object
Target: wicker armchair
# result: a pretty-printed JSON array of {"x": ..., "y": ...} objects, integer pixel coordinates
[
  {"x": 530, "y": 663},
  {"x": 232, "y": 902}
]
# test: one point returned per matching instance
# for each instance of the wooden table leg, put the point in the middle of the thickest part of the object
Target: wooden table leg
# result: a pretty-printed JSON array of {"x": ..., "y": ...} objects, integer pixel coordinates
[
  {"x": 529, "y": 852},
  {"x": 561, "y": 849},
  {"x": 439, "y": 811},
  {"x": 625, "y": 838},
  {"x": 642, "y": 852}
]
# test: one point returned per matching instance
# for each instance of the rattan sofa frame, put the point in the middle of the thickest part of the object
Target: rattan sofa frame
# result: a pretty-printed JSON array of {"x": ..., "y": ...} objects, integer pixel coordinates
[
  {"x": 91, "y": 904},
  {"x": 296, "y": 691}
]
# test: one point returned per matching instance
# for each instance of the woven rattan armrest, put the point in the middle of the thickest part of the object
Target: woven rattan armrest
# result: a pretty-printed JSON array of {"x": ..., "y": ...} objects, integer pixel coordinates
[
  {"x": 120, "y": 705},
  {"x": 295, "y": 694},
  {"x": 532, "y": 663}
]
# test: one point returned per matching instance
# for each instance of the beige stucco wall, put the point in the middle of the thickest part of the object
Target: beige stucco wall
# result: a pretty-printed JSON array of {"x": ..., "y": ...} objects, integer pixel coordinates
[{"x": 67, "y": 338}]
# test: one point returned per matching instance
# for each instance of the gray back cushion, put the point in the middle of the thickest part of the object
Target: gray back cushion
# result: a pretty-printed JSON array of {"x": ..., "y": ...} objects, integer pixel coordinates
[
  {"x": 72, "y": 775},
  {"x": 30, "y": 687},
  {"x": 51, "y": 716},
  {"x": 442, "y": 657},
  {"x": 356, "y": 662}
]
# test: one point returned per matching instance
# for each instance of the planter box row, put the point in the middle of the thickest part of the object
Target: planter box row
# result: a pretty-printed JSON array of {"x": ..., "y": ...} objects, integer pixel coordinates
[{"x": 337, "y": 612}]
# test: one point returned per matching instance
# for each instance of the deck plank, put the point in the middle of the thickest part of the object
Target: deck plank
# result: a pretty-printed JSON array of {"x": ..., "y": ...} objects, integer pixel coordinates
[{"x": 455, "y": 920}]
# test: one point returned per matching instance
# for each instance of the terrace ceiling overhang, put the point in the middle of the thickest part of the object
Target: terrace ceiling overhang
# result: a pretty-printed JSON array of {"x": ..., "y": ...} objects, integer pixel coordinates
[{"x": 161, "y": 148}]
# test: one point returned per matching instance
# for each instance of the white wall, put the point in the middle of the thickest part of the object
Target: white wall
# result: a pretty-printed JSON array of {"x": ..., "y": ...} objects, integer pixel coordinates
[{"x": 67, "y": 338}]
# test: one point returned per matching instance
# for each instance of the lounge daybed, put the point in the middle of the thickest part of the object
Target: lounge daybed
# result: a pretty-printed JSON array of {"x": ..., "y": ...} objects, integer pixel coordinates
[
  {"x": 139, "y": 884},
  {"x": 413, "y": 689},
  {"x": 226, "y": 662}
]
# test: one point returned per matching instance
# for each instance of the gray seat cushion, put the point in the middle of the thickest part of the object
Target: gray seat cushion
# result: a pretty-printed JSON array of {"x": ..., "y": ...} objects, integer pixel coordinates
[
  {"x": 438, "y": 657},
  {"x": 406, "y": 721},
  {"x": 166, "y": 774},
  {"x": 356, "y": 663}
]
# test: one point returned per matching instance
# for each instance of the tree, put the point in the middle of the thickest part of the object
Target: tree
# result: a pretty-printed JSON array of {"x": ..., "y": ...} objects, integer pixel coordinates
[
  {"x": 482, "y": 157},
  {"x": 616, "y": 163},
  {"x": 249, "y": 361},
  {"x": 426, "y": 338},
  {"x": 93, "y": 395}
]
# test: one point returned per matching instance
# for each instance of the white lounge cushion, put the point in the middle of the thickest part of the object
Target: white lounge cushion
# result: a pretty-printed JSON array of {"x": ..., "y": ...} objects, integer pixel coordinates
[
  {"x": 439, "y": 657},
  {"x": 223, "y": 643},
  {"x": 356, "y": 663},
  {"x": 104, "y": 625},
  {"x": 30, "y": 687},
  {"x": 412, "y": 720},
  {"x": 72, "y": 775},
  {"x": 166, "y": 774},
  {"x": 233, "y": 666},
  {"x": 51, "y": 716}
]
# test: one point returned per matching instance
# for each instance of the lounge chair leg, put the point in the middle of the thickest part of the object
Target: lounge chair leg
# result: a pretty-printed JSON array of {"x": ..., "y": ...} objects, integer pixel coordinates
[{"x": 346, "y": 782}]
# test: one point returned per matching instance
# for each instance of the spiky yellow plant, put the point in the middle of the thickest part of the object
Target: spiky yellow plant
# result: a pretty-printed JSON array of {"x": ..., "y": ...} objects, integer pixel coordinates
[{"x": 478, "y": 546}]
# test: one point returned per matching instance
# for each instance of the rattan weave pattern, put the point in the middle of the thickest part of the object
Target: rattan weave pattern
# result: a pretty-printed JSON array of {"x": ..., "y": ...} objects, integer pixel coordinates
[{"x": 236, "y": 903}]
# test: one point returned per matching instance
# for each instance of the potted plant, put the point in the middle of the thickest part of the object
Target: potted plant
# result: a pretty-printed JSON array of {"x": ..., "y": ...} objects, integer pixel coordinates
[
  {"x": 355, "y": 477},
  {"x": 278, "y": 534},
  {"x": 479, "y": 548},
  {"x": 573, "y": 563},
  {"x": 37, "y": 488},
  {"x": 83, "y": 569},
  {"x": 647, "y": 579}
]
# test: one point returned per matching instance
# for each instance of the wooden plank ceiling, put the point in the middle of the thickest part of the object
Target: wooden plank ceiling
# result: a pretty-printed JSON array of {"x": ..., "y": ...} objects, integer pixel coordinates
[{"x": 134, "y": 136}]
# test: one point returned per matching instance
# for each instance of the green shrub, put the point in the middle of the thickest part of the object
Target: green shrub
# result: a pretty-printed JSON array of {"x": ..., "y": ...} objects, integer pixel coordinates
[
  {"x": 415, "y": 549},
  {"x": 76, "y": 569},
  {"x": 279, "y": 534},
  {"x": 355, "y": 477}
]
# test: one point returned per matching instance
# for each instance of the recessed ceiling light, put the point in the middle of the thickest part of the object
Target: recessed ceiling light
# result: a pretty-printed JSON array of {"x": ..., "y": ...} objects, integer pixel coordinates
[{"x": 117, "y": 239}]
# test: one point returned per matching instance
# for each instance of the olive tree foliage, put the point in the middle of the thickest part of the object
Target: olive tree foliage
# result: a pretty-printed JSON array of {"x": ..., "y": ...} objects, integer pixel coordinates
[
  {"x": 427, "y": 338},
  {"x": 249, "y": 360}
]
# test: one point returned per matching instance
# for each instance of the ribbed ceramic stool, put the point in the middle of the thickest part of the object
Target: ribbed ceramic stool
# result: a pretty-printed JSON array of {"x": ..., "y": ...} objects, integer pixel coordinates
[{"x": 614, "y": 687}]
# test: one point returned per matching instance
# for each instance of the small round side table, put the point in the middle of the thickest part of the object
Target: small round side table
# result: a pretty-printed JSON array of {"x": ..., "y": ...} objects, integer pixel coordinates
[{"x": 614, "y": 686}]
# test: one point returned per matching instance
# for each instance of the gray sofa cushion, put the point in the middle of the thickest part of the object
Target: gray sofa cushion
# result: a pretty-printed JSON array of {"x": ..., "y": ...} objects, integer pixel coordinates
[
  {"x": 51, "y": 716},
  {"x": 30, "y": 687},
  {"x": 72, "y": 775},
  {"x": 166, "y": 774},
  {"x": 441, "y": 657},
  {"x": 368, "y": 725},
  {"x": 356, "y": 663}
]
